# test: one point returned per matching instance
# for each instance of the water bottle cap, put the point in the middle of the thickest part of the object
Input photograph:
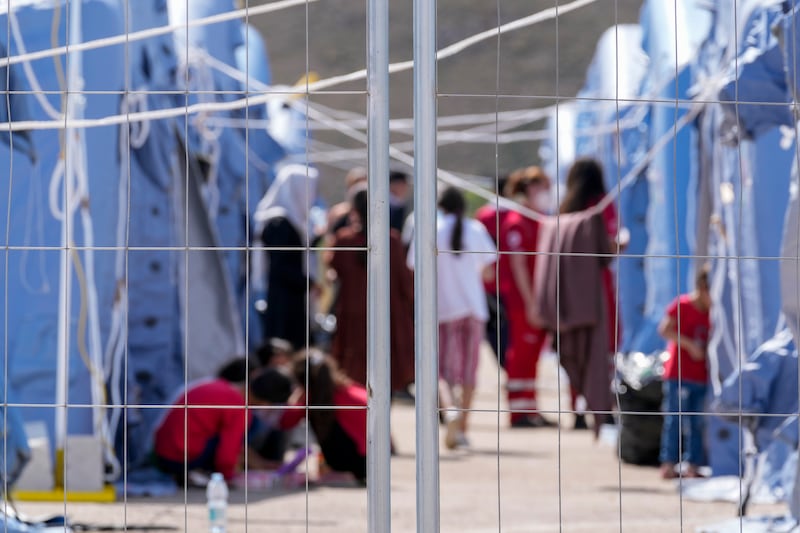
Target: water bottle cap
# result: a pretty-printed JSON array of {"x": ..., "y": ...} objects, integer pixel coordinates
[{"x": 216, "y": 476}]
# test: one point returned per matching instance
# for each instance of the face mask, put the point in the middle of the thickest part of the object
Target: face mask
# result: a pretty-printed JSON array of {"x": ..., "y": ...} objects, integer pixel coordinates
[{"x": 543, "y": 202}]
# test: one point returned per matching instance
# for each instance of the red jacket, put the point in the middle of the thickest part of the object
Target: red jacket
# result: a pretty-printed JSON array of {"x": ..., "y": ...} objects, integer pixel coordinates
[{"x": 221, "y": 419}]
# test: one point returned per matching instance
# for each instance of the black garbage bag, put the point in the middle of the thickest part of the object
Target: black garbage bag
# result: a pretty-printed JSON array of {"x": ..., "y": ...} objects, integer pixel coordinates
[{"x": 638, "y": 387}]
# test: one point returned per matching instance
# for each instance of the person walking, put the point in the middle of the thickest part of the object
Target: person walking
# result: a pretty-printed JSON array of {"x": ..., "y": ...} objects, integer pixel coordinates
[{"x": 466, "y": 253}]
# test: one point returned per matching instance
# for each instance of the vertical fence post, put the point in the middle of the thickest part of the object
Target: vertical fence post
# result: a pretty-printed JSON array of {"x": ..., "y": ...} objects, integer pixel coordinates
[
  {"x": 378, "y": 332},
  {"x": 425, "y": 306}
]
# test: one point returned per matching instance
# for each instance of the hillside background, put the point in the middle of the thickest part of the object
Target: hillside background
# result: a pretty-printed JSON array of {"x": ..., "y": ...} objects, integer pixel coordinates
[{"x": 524, "y": 69}]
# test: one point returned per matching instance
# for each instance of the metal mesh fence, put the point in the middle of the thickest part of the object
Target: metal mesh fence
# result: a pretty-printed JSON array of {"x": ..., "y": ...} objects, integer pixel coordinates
[{"x": 419, "y": 266}]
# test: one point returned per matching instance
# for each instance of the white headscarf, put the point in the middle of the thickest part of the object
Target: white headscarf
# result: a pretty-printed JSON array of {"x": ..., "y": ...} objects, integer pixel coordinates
[{"x": 290, "y": 196}]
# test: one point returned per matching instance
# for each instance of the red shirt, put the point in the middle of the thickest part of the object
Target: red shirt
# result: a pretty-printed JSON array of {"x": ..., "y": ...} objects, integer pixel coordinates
[
  {"x": 693, "y": 324},
  {"x": 352, "y": 421},
  {"x": 228, "y": 425},
  {"x": 492, "y": 219},
  {"x": 517, "y": 234}
]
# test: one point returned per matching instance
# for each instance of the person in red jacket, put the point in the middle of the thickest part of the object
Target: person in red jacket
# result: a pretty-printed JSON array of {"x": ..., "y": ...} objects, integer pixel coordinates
[
  {"x": 341, "y": 433},
  {"x": 518, "y": 237},
  {"x": 206, "y": 427},
  {"x": 492, "y": 216}
]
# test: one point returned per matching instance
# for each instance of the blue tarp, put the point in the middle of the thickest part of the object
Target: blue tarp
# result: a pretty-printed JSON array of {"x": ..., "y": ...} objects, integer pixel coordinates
[
  {"x": 33, "y": 201},
  {"x": 153, "y": 187},
  {"x": 717, "y": 189}
]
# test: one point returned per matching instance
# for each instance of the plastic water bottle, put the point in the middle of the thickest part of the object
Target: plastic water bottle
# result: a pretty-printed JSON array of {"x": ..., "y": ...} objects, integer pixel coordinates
[{"x": 217, "y": 496}]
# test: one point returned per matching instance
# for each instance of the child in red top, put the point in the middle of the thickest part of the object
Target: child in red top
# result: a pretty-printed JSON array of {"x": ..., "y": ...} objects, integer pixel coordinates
[
  {"x": 686, "y": 326},
  {"x": 341, "y": 433},
  {"x": 205, "y": 428}
]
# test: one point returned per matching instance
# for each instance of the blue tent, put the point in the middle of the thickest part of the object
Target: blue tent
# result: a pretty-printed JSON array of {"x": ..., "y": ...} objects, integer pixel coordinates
[
  {"x": 34, "y": 199},
  {"x": 608, "y": 123},
  {"x": 118, "y": 304}
]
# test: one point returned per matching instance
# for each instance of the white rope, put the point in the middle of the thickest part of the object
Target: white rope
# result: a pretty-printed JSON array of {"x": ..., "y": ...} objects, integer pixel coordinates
[
  {"x": 36, "y": 88},
  {"x": 541, "y": 16},
  {"x": 452, "y": 179},
  {"x": 357, "y": 121},
  {"x": 452, "y": 137},
  {"x": 153, "y": 32},
  {"x": 114, "y": 120}
]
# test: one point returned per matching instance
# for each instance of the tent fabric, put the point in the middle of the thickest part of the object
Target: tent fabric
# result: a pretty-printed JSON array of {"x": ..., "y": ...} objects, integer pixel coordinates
[
  {"x": 767, "y": 384},
  {"x": 150, "y": 328},
  {"x": 33, "y": 285}
]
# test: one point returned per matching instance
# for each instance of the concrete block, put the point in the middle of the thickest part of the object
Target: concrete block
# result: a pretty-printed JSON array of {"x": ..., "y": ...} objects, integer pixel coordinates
[
  {"x": 38, "y": 473},
  {"x": 84, "y": 463}
]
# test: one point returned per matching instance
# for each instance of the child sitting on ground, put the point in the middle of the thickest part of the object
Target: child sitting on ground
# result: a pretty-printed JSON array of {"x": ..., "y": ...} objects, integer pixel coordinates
[
  {"x": 341, "y": 433},
  {"x": 686, "y": 327},
  {"x": 204, "y": 430}
]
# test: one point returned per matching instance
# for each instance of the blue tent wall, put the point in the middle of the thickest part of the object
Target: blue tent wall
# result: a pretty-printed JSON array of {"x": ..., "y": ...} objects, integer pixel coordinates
[
  {"x": 155, "y": 360},
  {"x": 671, "y": 34},
  {"x": 225, "y": 184},
  {"x": 747, "y": 207},
  {"x": 614, "y": 80},
  {"x": 607, "y": 123},
  {"x": 790, "y": 247},
  {"x": 242, "y": 164},
  {"x": 33, "y": 275}
]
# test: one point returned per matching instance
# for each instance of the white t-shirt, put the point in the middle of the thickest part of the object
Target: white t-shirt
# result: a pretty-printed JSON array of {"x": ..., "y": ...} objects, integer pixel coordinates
[{"x": 461, "y": 293}]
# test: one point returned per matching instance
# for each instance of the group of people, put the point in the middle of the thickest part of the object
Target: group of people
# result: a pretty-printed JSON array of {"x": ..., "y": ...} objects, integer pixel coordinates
[
  {"x": 496, "y": 279},
  {"x": 242, "y": 418},
  {"x": 301, "y": 283},
  {"x": 518, "y": 329}
]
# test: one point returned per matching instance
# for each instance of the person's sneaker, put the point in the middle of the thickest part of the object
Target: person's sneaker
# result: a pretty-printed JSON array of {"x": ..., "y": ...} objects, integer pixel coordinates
[
  {"x": 461, "y": 440},
  {"x": 692, "y": 472},
  {"x": 403, "y": 396},
  {"x": 452, "y": 433},
  {"x": 580, "y": 422},
  {"x": 532, "y": 421},
  {"x": 667, "y": 471},
  {"x": 197, "y": 478}
]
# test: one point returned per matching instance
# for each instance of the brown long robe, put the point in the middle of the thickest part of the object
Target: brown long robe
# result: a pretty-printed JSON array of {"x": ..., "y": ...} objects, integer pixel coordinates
[
  {"x": 350, "y": 340},
  {"x": 571, "y": 301}
]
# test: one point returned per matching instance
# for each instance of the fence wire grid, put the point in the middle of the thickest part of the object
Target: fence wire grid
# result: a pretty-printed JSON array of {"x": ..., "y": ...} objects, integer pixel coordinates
[{"x": 505, "y": 266}]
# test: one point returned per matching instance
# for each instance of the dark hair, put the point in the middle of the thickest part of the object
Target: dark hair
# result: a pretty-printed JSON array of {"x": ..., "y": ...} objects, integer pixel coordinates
[
  {"x": 452, "y": 202},
  {"x": 585, "y": 184},
  {"x": 701, "y": 277},
  {"x": 398, "y": 175},
  {"x": 319, "y": 374},
  {"x": 273, "y": 385},
  {"x": 501, "y": 184},
  {"x": 236, "y": 370},
  {"x": 267, "y": 351},
  {"x": 519, "y": 180},
  {"x": 360, "y": 206}
]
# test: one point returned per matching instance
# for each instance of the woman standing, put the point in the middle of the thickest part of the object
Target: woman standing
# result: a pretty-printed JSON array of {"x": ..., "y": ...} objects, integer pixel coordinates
[
  {"x": 282, "y": 222},
  {"x": 349, "y": 346},
  {"x": 585, "y": 189},
  {"x": 466, "y": 252}
]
